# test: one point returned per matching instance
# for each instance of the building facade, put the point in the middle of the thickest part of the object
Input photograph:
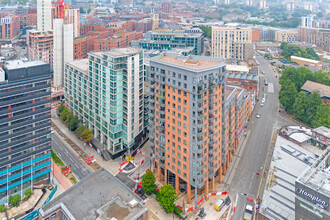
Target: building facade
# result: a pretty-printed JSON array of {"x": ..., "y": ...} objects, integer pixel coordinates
[
  {"x": 10, "y": 27},
  {"x": 193, "y": 121},
  {"x": 312, "y": 190},
  {"x": 286, "y": 36},
  {"x": 63, "y": 49},
  {"x": 24, "y": 126},
  {"x": 107, "y": 94},
  {"x": 168, "y": 39},
  {"x": 40, "y": 46},
  {"x": 232, "y": 43},
  {"x": 167, "y": 7},
  {"x": 316, "y": 36},
  {"x": 71, "y": 16},
  {"x": 44, "y": 15}
]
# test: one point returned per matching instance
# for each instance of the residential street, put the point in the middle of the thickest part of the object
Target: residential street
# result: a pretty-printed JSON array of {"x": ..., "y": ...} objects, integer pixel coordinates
[
  {"x": 78, "y": 167},
  {"x": 255, "y": 151}
]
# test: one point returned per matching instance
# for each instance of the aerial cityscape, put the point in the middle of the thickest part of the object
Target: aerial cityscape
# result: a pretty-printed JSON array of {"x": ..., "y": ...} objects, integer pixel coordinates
[{"x": 159, "y": 110}]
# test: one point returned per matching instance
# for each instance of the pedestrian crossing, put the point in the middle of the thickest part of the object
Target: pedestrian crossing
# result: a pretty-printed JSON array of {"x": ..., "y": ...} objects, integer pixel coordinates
[{"x": 270, "y": 88}]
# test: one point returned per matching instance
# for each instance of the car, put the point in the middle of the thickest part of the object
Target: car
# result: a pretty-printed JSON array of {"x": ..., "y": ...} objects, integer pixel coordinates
[
  {"x": 262, "y": 104},
  {"x": 263, "y": 72},
  {"x": 266, "y": 83},
  {"x": 265, "y": 96},
  {"x": 51, "y": 131},
  {"x": 258, "y": 115},
  {"x": 263, "y": 100}
]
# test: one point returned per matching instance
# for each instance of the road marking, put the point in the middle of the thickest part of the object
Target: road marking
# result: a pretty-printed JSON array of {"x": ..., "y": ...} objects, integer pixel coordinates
[
  {"x": 270, "y": 88},
  {"x": 263, "y": 170}
]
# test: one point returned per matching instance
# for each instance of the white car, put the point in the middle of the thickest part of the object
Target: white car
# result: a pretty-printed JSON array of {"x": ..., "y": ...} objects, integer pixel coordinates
[
  {"x": 51, "y": 131},
  {"x": 258, "y": 115},
  {"x": 262, "y": 104},
  {"x": 263, "y": 100}
]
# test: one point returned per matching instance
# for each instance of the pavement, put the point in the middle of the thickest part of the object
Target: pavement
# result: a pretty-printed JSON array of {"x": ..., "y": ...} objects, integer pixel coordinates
[
  {"x": 112, "y": 166},
  {"x": 65, "y": 182},
  {"x": 70, "y": 158},
  {"x": 255, "y": 151}
]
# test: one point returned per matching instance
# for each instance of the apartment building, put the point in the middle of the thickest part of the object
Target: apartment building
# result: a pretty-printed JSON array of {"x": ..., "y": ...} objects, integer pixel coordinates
[
  {"x": 167, "y": 40},
  {"x": 232, "y": 43},
  {"x": 119, "y": 40},
  {"x": 40, "y": 46},
  {"x": 44, "y": 15},
  {"x": 10, "y": 27},
  {"x": 167, "y": 7},
  {"x": 71, "y": 16},
  {"x": 28, "y": 20},
  {"x": 24, "y": 126},
  {"x": 106, "y": 92},
  {"x": 286, "y": 36},
  {"x": 317, "y": 36},
  {"x": 194, "y": 121},
  {"x": 63, "y": 49}
]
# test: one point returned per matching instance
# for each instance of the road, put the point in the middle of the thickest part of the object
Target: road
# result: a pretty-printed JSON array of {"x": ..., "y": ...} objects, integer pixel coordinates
[
  {"x": 78, "y": 167},
  {"x": 256, "y": 151}
]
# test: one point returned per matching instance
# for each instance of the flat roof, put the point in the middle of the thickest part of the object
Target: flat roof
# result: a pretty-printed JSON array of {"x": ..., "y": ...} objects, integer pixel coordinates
[
  {"x": 318, "y": 175},
  {"x": 323, "y": 130},
  {"x": 300, "y": 137},
  {"x": 288, "y": 162},
  {"x": 310, "y": 86},
  {"x": 19, "y": 64},
  {"x": 118, "y": 52},
  {"x": 305, "y": 59},
  {"x": 100, "y": 192},
  {"x": 243, "y": 76},
  {"x": 190, "y": 63},
  {"x": 81, "y": 64},
  {"x": 238, "y": 68}
]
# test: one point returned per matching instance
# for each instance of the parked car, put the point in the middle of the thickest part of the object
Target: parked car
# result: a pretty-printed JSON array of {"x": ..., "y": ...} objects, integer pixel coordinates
[{"x": 258, "y": 115}]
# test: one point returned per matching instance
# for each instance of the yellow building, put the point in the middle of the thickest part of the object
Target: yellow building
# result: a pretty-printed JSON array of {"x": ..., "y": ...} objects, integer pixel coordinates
[
  {"x": 232, "y": 43},
  {"x": 286, "y": 36}
]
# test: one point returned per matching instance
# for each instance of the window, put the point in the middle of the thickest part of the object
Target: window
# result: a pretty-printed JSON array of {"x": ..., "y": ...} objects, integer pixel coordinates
[
  {"x": 185, "y": 77},
  {"x": 184, "y": 167}
]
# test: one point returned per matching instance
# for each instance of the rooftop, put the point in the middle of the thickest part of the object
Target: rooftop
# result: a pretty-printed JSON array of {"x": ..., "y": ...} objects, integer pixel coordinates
[
  {"x": 237, "y": 68},
  {"x": 118, "y": 52},
  {"x": 323, "y": 130},
  {"x": 288, "y": 162},
  {"x": 243, "y": 76},
  {"x": 100, "y": 193},
  {"x": 310, "y": 86},
  {"x": 305, "y": 59},
  {"x": 190, "y": 62},
  {"x": 318, "y": 175},
  {"x": 19, "y": 64},
  {"x": 81, "y": 65}
]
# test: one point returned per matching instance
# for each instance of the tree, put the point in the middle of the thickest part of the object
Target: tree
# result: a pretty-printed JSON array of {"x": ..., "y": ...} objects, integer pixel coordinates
[
  {"x": 300, "y": 107},
  {"x": 74, "y": 122},
  {"x": 27, "y": 193},
  {"x": 207, "y": 30},
  {"x": 2, "y": 208},
  {"x": 64, "y": 114},
  {"x": 15, "y": 200},
  {"x": 60, "y": 108},
  {"x": 69, "y": 118},
  {"x": 167, "y": 198},
  {"x": 322, "y": 117},
  {"x": 80, "y": 130},
  {"x": 81, "y": 10},
  {"x": 87, "y": 135},
  {"x": 148, "y": 183},
  {"x": 313, "y": 103},
  {"x": 288, "y": 95}
]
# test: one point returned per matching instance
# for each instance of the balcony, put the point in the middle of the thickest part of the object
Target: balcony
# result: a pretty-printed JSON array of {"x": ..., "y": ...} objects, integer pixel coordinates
[
  {"x": 201, "y": 117},
  {"x": 152, "y": 86},
  {"x": 201, "y": 142},
  {"x": 211, "y": 126},
  {"x": 161, "y": 128},
  {"x": 161, "y": 89},
  {"x": 211, "y": 143},
  {"x": 212, "y": 111}
]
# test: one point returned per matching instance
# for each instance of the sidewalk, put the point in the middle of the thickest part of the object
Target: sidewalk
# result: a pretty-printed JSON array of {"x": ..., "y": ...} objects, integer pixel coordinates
[
  {"x": 65, "y": 182},
  {"x": 84, "y": 151}
]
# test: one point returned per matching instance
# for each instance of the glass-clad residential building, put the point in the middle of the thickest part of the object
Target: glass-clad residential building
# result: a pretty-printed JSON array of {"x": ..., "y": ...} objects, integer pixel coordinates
[
  {"x": 25, "y": 136},
  {"x": 106, "y": 92},
  {"x": 168, "y": 40}
]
